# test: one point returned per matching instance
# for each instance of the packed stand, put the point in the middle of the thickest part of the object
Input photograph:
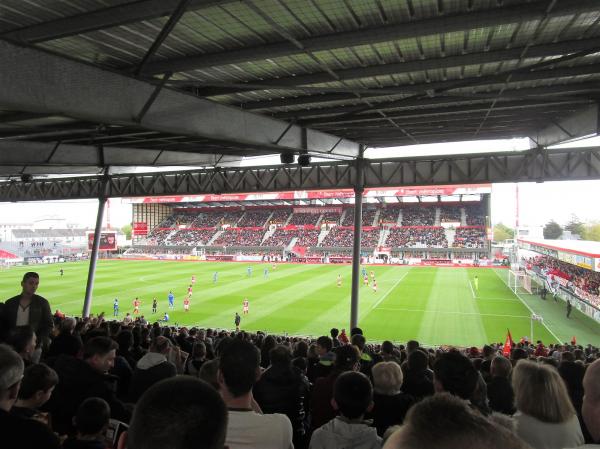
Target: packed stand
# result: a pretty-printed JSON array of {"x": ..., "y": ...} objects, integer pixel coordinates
[
  {"x": 418, "y": 216},
  {"x": 254, "y": 218},
  {"x": 389, "y": 214},
  {"x": 450, "y": 214},
  {"x": 586, "y": 280},
  {"x": 191, "y": 237},
  {"x": 302, "y": 219},
  {"x": 469, "y": 238},
  {"x": 239, "y": 237},
  {"x": 331, "y": 217},
  {"x": 280, "y": 216},
  {"x": 475, "y": 214},
  {"x": 431, "y": 237},
  {"x": 338, "y": 238},
  {"x": 159, "y": 236},
  {"x": 368, "y": 215}
]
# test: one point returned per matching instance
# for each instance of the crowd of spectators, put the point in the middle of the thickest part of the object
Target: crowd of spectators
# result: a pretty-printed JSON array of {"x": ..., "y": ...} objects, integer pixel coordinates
[
  {"x": 191, "y": 237},
  {"x": 302, "y": 219},
  {"x": 450, "y": 214},
  {"x": 418, "y": 216},
  {"x": 389, "y": 214},
  {"x": 469, "y": 238},
  {"x": 239, "y": 237},
  {"x": 586, "y": 280},
  {"x": 159, "y": 236},
  {"x": 280, "y": 216},
  {"x": 187, "y": 388},
  {"x": 475, "y": 214},
  {"x": 331, "y": 217},
  {"x": 429, "y": 237},
  {"x": 254, "y": 218},
  {"x": 368, "y": 215}
]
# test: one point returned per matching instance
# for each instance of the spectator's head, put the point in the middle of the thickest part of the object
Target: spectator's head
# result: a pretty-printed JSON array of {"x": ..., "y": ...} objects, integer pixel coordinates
[
  {"x": 199, "y": 350},
  {"x": 443, "y": 421},
  {"x": 161, "y": 345},
  {"x": 540, "y": 392},
  {"x": 411, "y": 346},
  {"x": 488, "y": 352},
  {"x": 387, "y": 378},
  {"x": 125, "y": 340},
  {"x": 23, "y": 340},
  {"x": 417, "y": 361},
  {"x": 518, "y": 354},
  {"x": 334, "y": 332},
  {"x": 352, "y": 395},
  {"x": 387, "y": 348},
  {"x": 37, "y": 385},
  {"x": 356, "y": 331},
  {"x": 91, "y": 419},
  {"x": 324, "y": 345},
  {"x": 100, "y": 353},
  {"x": 359, "y": 341},
  {"x": 208, "y": 373},
  {"x": 30, "y": 282},
  {"x": 347, "y": 358},
  {"x": 280, "y": 355},
  {"x": 239, "y": 368},
  {"x": 454, "y": 373},
  {"x": 11, "y": 373},
  {"x": 179, "y": 413},
  {"x": 591, "y": 400},
  {"x": 500, "y": 367}
]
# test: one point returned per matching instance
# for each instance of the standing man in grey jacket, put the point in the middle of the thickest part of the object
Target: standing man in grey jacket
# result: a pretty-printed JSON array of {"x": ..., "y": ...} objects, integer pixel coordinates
[{"x": 28, "y": 309}]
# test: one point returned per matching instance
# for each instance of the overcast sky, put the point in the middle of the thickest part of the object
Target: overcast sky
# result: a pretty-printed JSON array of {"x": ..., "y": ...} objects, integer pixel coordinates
[{"x": 539, "y": 202}]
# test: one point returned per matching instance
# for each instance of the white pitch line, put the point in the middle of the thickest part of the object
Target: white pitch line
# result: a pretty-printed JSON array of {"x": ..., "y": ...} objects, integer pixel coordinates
[
  {"x": 472, "y": 291},
  {"x": 380, "y": 300},
  {"x": 455, "y": 313},
  {"x": 527, "y": 305}
]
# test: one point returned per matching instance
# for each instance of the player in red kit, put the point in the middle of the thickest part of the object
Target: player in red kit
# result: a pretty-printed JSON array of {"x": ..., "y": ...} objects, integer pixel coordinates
[
  {"x": 375, "y": 286},
  {"x": 190, "y": 291},
  {"x": 136, "y": 306},
  {"x": 246, "y": 306},
  {"x": 193, "y": 279},
  {"x": 186, "y": 304}
]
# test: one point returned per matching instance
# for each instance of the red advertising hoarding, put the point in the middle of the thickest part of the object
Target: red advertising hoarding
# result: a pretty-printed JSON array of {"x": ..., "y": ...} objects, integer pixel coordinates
[
  {"x": 108, "y": 241},
  {"x": 140, "y": 228}
]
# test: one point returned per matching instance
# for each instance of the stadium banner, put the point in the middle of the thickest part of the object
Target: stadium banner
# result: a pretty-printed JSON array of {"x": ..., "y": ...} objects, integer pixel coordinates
[
  {"x": 251, "y": 228},
  {"x": 444, "y": 190},
  {"x": 140, "y": 228},
  {"x": 317, "y": 210},
  {"x": 291, "y": 227},
  {"x": 108, "y": 241}
]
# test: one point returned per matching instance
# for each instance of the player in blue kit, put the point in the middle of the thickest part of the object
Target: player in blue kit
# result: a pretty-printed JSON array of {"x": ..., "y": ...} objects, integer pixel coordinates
[
  {"x": 116, "y": 307},
  {"x": 249, "y": 271},
  {"x": 266, "y": 273},
  {"x": 215, "y": 277},
  {"x": 171, "y": 300}
]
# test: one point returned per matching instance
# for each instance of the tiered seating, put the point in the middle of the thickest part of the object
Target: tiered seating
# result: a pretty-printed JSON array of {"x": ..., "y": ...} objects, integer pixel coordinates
[
  {"x": 180, "y": 218},
  {"x": 300, "y": 219},
  {"x": 338, "y": 237},
  {"x": 367, "y": 217},
  {"x": 418, "y": 216},
  {"x": 450, "y": 214},
  {"x": 475, "y": 214},
  {"x": 469, "y": 238},
  {"x": 586, "y": 280},
  {"x": 389, "y": 214},
  {"x": 280, "y": 216},
  {"x": 159, "y": 235},
  {"x": 254, "y": 217},
  {"x": 431, "y": 237},
  {"x": 239, "y": 237},
  {"x": 331, "y": 217},
  {"x": 282, "y": 238},
  {"x": 191, "y": 237}
]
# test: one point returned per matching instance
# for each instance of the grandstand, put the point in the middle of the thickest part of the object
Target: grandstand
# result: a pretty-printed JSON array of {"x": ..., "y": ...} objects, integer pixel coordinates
[{"x": 443, "y": 224}]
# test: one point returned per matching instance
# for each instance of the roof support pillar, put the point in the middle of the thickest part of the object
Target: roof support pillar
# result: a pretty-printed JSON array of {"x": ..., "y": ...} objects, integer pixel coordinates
[{"x": 359, "y": 188}]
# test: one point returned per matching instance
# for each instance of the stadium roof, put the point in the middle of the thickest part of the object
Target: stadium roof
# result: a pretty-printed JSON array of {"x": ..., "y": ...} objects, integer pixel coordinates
[
  {"x": 98, "y": 83},
  {"x": 580, "y": 247}
]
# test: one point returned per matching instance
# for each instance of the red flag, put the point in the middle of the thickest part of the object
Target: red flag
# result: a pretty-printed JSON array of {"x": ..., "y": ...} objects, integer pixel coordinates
[{"x": 507, "y": 345}]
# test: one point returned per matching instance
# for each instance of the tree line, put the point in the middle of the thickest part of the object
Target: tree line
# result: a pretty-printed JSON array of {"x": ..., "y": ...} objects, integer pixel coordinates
[{"x": 553, "y": 230}]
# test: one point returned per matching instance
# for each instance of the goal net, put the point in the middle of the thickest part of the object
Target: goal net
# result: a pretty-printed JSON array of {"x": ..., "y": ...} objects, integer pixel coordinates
[{"x": 519, "y": 282}]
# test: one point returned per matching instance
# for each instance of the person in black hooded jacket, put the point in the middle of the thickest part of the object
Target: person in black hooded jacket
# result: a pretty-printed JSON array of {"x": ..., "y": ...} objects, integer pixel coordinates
[{"x": 283, "y": 388}]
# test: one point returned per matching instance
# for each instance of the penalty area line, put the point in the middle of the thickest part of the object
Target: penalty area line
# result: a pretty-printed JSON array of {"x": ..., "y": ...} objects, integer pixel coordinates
[
  {"x": 380, "y": 300},
  {"x": 472, "y": 291}
]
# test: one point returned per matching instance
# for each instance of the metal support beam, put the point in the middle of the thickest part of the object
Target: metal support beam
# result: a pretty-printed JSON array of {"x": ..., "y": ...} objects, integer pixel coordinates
[
  {"x": 583, "y": 123},
  {"x": 369, "y": 36},
  {"x": 527, "y": 166},
  {"x": 87, "y": 303},
  {"x": 358, "y": 200},
  {"x": 123, "y": 14},
  {"x": 80, "y": 91}
]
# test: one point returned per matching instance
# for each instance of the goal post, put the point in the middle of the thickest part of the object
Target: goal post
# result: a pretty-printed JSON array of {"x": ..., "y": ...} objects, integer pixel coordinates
[{"x": 519, "y": 282}]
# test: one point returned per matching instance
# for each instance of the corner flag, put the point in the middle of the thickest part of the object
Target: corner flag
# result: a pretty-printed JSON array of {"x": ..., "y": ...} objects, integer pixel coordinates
[{"x": 507, "y": 345}]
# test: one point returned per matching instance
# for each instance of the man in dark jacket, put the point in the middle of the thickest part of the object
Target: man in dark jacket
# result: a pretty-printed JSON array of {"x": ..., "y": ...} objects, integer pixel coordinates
[
  {"x": 30, "y": 309},
  {"x": 151, "y": 368},
  {"x": 282, "y": 388},
  {"x": 82, "y": 379},
  {"x": 499, "y": 389}
]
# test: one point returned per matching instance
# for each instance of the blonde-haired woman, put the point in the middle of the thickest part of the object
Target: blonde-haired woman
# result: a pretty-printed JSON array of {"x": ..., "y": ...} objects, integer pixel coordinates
[
  {"x": 390, "y": 405},
  {"x": 545, "y": 417}
]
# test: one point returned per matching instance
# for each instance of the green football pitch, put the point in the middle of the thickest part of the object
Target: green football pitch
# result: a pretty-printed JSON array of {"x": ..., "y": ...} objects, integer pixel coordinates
[{"x": 433, "y": 305}]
